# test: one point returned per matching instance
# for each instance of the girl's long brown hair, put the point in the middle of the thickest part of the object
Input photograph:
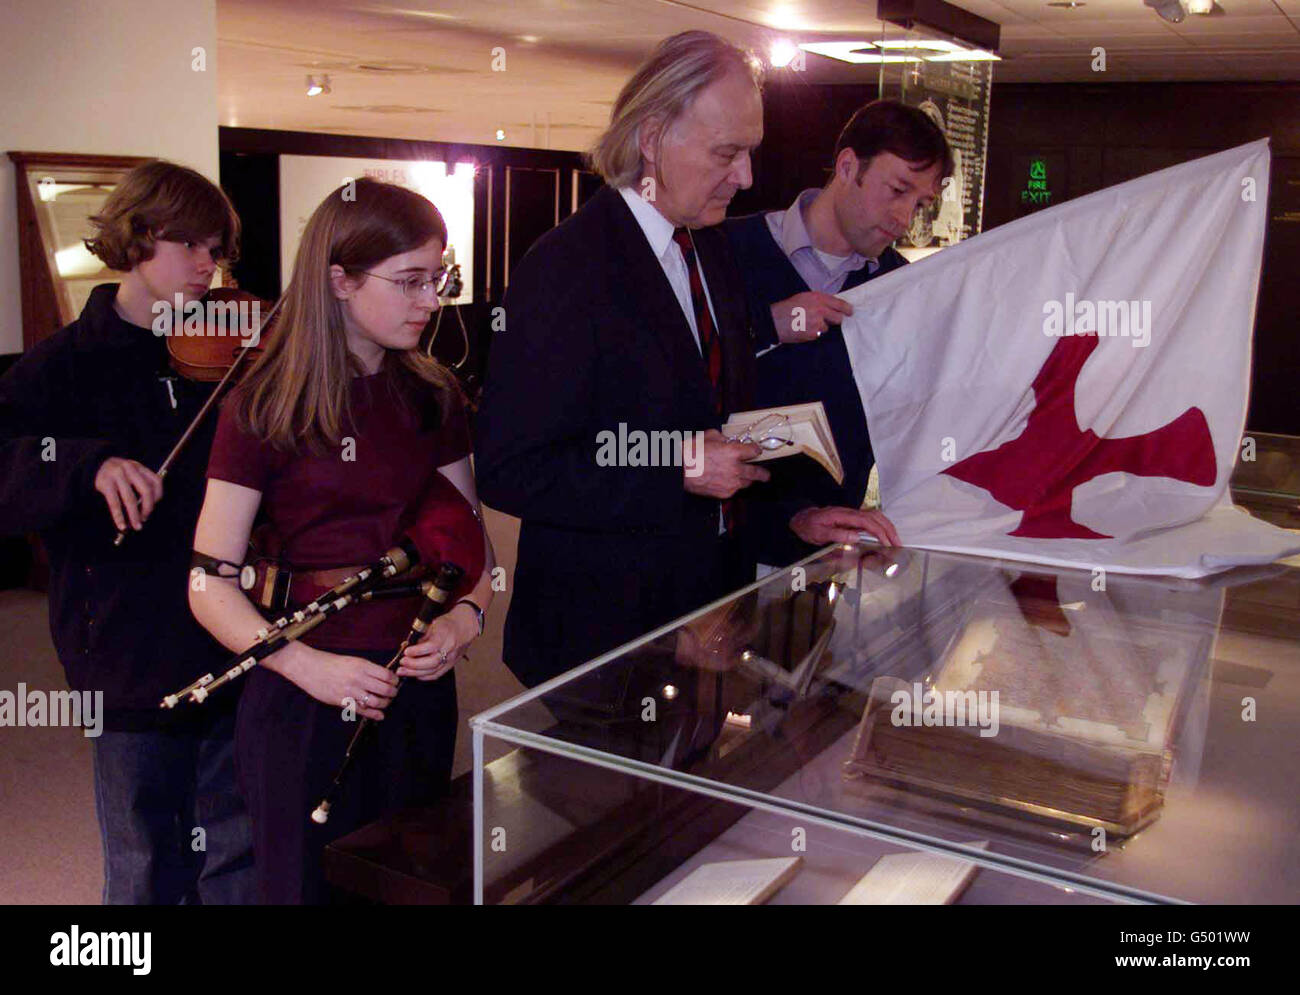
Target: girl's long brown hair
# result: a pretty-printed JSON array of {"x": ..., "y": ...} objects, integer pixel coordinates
[{"x": 297, "y": 394}]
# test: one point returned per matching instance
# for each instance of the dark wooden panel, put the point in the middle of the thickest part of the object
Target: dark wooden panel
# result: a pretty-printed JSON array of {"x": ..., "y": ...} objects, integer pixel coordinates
[
  {"x": 532, "y": 208},
  {"x": 482, "y": 289},
  {"x": 1273, "y": 406},
  {"x": 1085, "y": 170},
  {"x": 252, "y": 182},
  {"x": 585, "y": 183},
  {"x": 1124, "y": 163},
  {"x": 801, "y": 123}
]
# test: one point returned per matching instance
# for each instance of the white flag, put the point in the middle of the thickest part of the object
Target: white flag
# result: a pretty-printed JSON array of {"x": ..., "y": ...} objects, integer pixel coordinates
[{"x": 1071, "y": 388}]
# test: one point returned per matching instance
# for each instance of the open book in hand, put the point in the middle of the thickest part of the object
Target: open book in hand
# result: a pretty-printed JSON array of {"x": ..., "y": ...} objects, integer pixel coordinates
[{"x": 785, "y": 431}]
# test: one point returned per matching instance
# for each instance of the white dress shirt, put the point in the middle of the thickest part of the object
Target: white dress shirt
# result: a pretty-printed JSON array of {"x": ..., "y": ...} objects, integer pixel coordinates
[{"x": 658, "y": 231}]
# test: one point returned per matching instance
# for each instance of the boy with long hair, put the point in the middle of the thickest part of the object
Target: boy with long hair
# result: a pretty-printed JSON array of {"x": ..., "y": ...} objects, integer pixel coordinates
[{"x": 83, "y": 416}]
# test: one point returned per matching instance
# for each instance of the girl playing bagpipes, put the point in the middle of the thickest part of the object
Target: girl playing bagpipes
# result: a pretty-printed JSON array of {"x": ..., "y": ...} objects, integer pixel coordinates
[{"x": 339, "y": 436}]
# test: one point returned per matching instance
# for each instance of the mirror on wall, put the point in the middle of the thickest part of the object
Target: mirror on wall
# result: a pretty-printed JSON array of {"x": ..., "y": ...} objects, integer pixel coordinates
[{"x": 56, "y": 193}]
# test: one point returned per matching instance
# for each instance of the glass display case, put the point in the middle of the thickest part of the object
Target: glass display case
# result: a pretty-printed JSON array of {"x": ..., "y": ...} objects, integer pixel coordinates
[{"x": 895, "y": 725}]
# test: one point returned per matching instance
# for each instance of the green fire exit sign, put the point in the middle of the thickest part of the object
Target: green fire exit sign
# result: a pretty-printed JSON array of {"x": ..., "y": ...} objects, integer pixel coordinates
[{"x": 1036, "y": 190}]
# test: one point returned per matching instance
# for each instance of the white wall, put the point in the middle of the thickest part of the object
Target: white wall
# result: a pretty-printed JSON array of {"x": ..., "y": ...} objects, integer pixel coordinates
[{"x": 113, "y": 77}]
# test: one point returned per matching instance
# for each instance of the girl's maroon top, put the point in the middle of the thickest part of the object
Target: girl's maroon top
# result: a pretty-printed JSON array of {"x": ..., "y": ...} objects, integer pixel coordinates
[{"x": 348, "y": 505}]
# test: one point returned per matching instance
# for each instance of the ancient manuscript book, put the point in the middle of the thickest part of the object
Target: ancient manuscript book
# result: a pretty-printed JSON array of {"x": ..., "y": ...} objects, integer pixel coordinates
[{"x": 1057, "y": 710}]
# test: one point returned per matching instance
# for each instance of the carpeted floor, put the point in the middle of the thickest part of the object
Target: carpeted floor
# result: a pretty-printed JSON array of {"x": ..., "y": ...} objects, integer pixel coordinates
[{"x": 49, "y": 837}]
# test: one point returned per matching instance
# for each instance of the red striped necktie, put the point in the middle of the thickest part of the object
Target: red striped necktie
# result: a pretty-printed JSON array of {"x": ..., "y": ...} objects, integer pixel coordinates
[{"x": 710, "y": 343}]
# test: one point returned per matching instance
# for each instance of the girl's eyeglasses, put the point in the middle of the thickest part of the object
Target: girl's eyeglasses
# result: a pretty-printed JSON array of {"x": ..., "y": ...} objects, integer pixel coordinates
[{"x": 416, "y": 286}]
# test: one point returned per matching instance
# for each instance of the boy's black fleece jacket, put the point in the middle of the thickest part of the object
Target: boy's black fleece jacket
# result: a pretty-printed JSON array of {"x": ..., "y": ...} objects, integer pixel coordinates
[{"x": 119, "y": 616}]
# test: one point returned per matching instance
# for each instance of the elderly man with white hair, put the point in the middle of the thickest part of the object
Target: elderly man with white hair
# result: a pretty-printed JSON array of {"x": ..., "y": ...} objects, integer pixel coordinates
[{"x": 628, "y": 322}]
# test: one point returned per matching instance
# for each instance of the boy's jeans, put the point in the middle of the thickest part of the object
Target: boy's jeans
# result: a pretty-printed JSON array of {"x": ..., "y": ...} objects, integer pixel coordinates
[{"x": 173, "y": 824}]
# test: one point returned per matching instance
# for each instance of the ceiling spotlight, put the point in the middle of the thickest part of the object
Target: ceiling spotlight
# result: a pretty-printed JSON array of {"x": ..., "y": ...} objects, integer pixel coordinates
[
  {"x": 1202, "y": 7},
  {"x": 317, "y": 85},
  {"x": 1170, "y": 10},
  {"x": 782, "y": 52},
  {"x": 501, "y": 135}
]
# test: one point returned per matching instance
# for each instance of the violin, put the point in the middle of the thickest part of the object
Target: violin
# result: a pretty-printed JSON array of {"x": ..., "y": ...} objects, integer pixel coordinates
[
  {"x": 223, "y": 348},
  {"x": 227, "y": 337}
]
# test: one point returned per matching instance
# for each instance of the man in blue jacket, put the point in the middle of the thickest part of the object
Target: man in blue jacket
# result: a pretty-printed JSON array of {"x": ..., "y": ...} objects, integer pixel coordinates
[{"x": 889, "y": 162}]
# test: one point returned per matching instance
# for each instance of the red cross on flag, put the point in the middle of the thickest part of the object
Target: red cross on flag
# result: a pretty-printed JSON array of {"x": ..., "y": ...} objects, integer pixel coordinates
[{"x": 1071, "y": 388}]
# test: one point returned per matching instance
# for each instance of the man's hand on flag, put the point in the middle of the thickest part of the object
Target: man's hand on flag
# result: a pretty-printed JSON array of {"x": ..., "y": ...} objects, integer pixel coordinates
[
  {"x": 820, "y": 526},
  {"x": 805, "y": 316}
]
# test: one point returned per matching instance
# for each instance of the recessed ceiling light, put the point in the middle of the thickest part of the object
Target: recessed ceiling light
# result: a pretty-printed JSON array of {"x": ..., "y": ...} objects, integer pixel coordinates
[
  {"x": 501, "y": 135},
  {"x": 1067, "y": 4}
]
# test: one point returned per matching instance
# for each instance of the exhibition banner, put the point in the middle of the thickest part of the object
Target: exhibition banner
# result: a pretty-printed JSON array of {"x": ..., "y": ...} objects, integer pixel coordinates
[{"x": 1071, "y": 388}]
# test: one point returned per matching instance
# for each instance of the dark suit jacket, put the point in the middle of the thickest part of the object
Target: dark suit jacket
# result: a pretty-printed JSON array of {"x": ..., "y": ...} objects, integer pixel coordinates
[{"x": 594, "y": 338}]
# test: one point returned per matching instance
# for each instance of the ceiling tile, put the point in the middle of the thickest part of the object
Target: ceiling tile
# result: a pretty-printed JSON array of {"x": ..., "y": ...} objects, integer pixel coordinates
[
  {"x": 1027, "y": 31},
  {"x": 1137, "y": 25},
  {"x": 1221, "y": 44},
  {"x": 1278, "y": 25},
  {"x": 1241, "y": 8}
]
